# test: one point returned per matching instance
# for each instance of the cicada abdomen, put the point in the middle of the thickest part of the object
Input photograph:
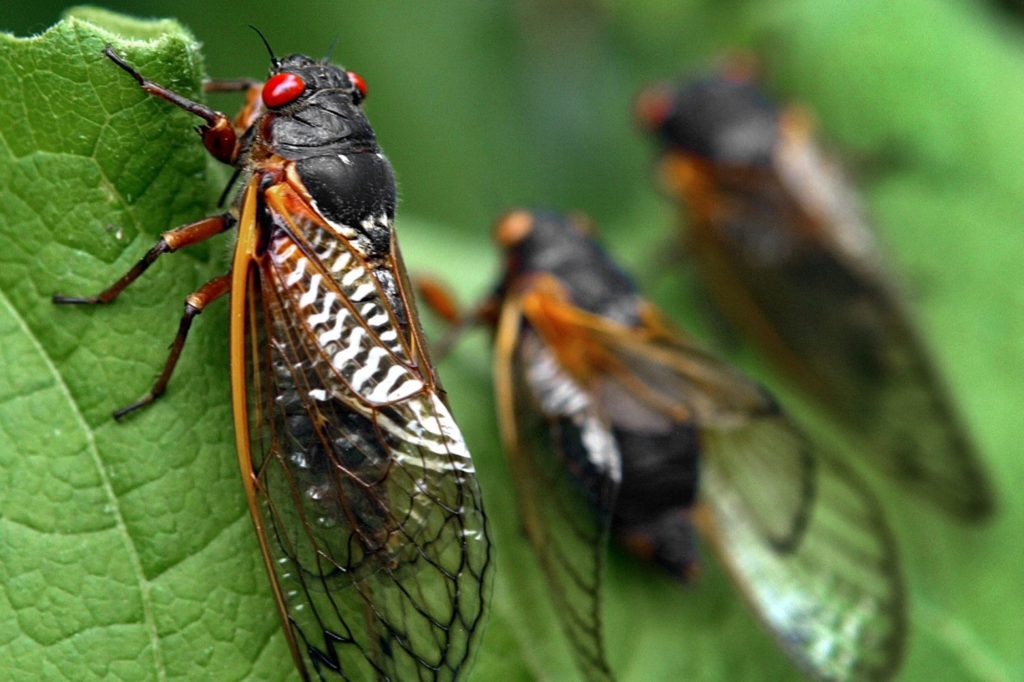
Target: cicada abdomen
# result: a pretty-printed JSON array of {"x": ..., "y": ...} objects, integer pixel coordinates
[
  {"x": 617, "y": 427},
  {"x": 781, "y": 244},
  {"x": 359, "y": 483}
]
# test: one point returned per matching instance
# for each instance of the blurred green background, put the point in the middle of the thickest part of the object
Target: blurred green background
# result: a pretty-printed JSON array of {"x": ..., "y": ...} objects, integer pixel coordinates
[{"x": 483, "y": 105}]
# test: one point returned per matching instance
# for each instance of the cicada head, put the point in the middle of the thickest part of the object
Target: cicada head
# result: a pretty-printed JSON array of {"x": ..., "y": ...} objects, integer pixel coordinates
[
  {"x": 313, "y": 105},
  {"x": 721, "y": 118},
  {"x": 538, "y": 243}
]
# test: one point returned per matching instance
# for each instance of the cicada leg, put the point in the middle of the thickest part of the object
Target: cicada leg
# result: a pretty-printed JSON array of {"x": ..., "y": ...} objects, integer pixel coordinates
[
  {"x": 250, "y": 110},
  {"x": 195, "y": 303},
  {"x": 170, "y": 241},
  {"x": 436, "y": 296},
  {"x": 230, "y": 85},
  {"x": 219, "y": 136}
]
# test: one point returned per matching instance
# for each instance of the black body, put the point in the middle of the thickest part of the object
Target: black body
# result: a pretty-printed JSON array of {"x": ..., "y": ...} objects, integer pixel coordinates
[
  {"x": 325, "y": 132},
  {"x": 342, "y": 168},
  {"x": 325, "y": 119},
  {"x": 723, "y": 120},
  {"x": 659, "y": 456},
  {"x": 558, "y": 247}
]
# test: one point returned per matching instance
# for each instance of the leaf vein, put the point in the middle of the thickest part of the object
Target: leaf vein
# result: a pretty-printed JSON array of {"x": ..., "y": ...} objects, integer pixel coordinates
[{"x": 118, "y": 516}]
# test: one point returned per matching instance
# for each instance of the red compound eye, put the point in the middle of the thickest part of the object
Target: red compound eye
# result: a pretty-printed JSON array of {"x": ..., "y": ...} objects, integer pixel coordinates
[
  {"x": 653, "y": 106},
  {"x": 282, "y": 89},
  {"x": 360, "y": 84}
]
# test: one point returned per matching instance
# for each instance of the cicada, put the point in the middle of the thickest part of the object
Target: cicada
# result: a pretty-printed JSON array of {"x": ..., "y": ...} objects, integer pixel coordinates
[
  {"x": 783, "y": 248},
  {"x": 360, "y": 487},
  {"x": 617, "y": 426}
]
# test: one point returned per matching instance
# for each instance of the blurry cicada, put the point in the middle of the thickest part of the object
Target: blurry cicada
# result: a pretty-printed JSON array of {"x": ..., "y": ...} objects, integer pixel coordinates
[
  {"x": 781, "y": 244},
  {"x": 359, "y": 484},
  {"x": 615, "y": 425}
]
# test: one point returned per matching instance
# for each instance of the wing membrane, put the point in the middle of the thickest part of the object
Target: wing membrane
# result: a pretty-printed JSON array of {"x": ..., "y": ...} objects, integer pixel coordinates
[
  {"x": 566, "y": 469},
  {"x": 834, "y": 598},
  {"x": 367, "y": 495},
  {"x": 790, "y": 258},
  {"x": 803, "y": 537}
]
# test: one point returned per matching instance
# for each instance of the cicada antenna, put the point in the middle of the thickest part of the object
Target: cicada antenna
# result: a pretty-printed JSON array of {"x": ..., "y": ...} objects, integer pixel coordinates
[
  {"x": 273, "y": 59},
  {"x": 330, "y": 50}
]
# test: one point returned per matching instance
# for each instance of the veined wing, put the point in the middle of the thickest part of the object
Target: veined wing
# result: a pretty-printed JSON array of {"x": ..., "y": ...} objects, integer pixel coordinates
[
  {"x": 802, "y": 536},
  {"x": 900, "y": 397},
  {"x": 832, "y": 596},
  {"x": 790, "y": 259},
  {"x": 566, "y": 469},
  {"x": 368, "y": 505}
]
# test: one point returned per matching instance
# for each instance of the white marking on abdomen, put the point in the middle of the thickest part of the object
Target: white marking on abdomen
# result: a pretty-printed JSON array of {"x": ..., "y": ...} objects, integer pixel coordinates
[
  {"x": 341, "y": 262},
  {"x": 378, "y": 319},
  {"x": 383, "y": 393},
  {"x": 363, "y": 292},
  {"x": 280, "y": 256},
  {"x": 433, "y": 428}
]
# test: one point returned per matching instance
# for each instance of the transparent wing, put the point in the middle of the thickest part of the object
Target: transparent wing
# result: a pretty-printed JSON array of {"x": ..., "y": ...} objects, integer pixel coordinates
[
  {"x": 791, "y": 260},
  {"x": 369, "y": 503},
  {"x": 566, "y": 469},
  {"x": 833, "y": 598},
  {"x": 804, "y": 539},
  {"x": 651, "y": 361}
]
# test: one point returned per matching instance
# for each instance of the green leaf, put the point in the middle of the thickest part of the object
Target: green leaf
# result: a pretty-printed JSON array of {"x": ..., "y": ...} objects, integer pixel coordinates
[{"x": 125, "y": 549}]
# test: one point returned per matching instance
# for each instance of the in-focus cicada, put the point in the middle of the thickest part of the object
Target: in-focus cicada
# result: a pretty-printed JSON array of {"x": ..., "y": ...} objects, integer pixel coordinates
[
  {"x": 616, "y": 426},
  {"x": 359, "y": 483},
  {"x": 780, "y": 242}
]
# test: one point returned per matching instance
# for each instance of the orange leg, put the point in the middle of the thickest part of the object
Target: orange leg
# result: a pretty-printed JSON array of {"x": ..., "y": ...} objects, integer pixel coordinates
[
  {"x": 219, "y": 136},
  {"x": 436, "y": 296},
  {"x": 194, "y": 304},
  {"x": 229, "y": 85},
  {"x": 172, "y": 240},
  {"x": 252, "y": 89}
]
